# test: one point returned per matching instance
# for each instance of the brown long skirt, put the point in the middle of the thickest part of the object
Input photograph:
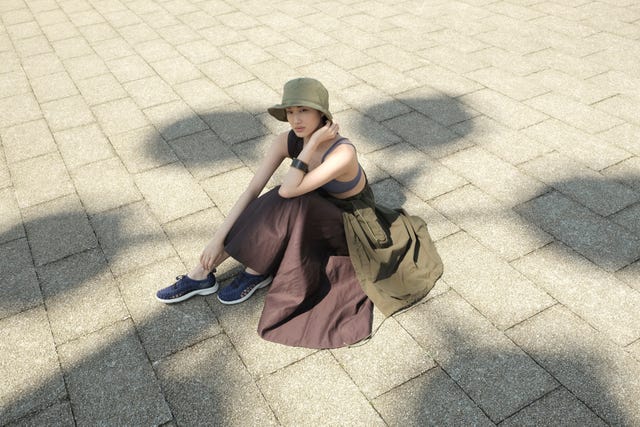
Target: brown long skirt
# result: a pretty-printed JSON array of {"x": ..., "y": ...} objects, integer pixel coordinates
[{"x": 315, "y": 299}]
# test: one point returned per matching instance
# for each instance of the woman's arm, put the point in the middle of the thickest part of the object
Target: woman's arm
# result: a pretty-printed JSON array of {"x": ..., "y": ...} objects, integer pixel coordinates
[
  {"x": 213, "y": 253},
  {"x": 341, "y": 160}
]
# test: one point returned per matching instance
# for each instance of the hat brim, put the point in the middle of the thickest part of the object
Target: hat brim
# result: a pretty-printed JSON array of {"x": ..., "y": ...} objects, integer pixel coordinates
[{"x": 279, "y": 111}]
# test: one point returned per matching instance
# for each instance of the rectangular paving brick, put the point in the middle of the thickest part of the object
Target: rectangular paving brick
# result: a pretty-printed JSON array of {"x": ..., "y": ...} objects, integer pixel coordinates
[
  {"x": 582, "y": 91},
  {"x": 225, "y": 189},
  {"x": 14, "y": 83},
  {"x": 373, "y": 102},
  {"x": 101, "y": 89},
  {"x": 375, "y": 370},
  {"x": 125, "y": 392},
  {"x": 625, "y": 136},
  {"x": 559, "y": 404},
  {"x": 503, "y": 109},
  {"x": 10, "y": 219},
  {"x": 150, "y": 91},
  {"x": 40, "y": 179},
  {"x": 593, "y": 190},
  {"x": 233, "y": 125},
  {"x": 574, "y": 113},
  {"x": 176, "y": 70},
  {"x": 129, "y": 68},
  {"x": 58, "y": 228},
  {"x": 626, "y": 172},
  {"x": 390, "y": 193},
  {"x": 502, "y": 294},
  {"x": 82, "y": 145},
  {"x": 446, "y": 81},
  {"x": 175, "y": 119},
  {"x": 18, "y": 280},
  {"x": 225, "y": 72},
  {"x": 202, "y": 95},
  {"x": 165, "y": 329},
  {"x": 475, "y": 354},
  {"x": 603, "y": 301},
  {"x": 494, "y": 176},
  {"x": 67, "y": 113},
  {"x": 425, "y": 177},
  {"x": 36, "y": 133},
  {"x": 603, "y": 242},
  {"x": 581, "y": 68},
  {"x": 507, "y": 61},
  {"x": 131, "y": 237},
  {"x": 432, "y": 398},
  {"x": 199, "y": 391},
  {"x": 513, "y": 86},
  {"x": 595, "y": 370},
  {"x": 576, "y": 144},
  {"x": 81, "y": 296},
  {"x": 328, "y": 395},
  {"x": 18, "y": 109},
  {"x": 142, "y": 149},
  {"x": 492, "y": 223},
  {"x": 171, "y": 192},
  {"x": 119, "y": 116},
  {"x": 29, "y": 367},
  {"x": 366, "y": 134},
  {"x": 385, "y": 78},
  {"x": 427, "y": 135}
]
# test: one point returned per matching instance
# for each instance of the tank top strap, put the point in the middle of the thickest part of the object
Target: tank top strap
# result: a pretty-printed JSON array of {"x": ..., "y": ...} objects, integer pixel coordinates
[{"x": 340, "y": 141}]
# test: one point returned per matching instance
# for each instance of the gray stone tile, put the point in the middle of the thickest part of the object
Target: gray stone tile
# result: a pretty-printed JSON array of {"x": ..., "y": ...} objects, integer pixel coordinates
[
  {"x": 603, "y": 301},
  {"x": 234, "y": 125},
  {"x": 583, "y": 91},
  {"x": 32, "y": 46},
  {"x": 98, "y": 32},
  {"x": 261, "y": 357},
  {"x": 57, "y": 229},
  {"x": 503, "y": 109},
  {"x": 67, "y": 113},
  {"x": 627, "y": 172},
  {"x": 156, "y": 50},
  {"x": 385, "y": 78},
  {"x": 142, "y": 149},
  {"x": 29, "y": 365},
  {"x": 225, "y": 72},
  {"x": 490, "y": 222},
  {"x": 81, "y": 296},
  {"x": 14, "y": 83},
  {"x": 11, "y": 62},
  {"x": 430, "y": 399},
  {"x": 440, "y": 107},
  {"x": 119, "y": 116},
  {"x": 205, "y": 155},
  {"x": 629, "y": 218},
  {"x": 138, "y": 33},
  {"x": 110, "y": 380},
  {"x": 131, "y": 238},
  {"x": 202, "y": 95},
  {"x": 82, "y": 145},
  {"x": 582, "y": 184},
  {"x": 226, "y": 188},
  {"x": 373, "y": 102},
  {"x": 36, "y": 133},
  {"x": 5, "y": 176},
  {"x": 494, "y": 176},
  {"x": 171, "y": 192},
  {"x": 101, "y": 89},
  {"x": 10, "y": 218},
  {"x": 112, "y": 49},
  {"x": 254, "y": 95},
  {"x": 40, "y": 179},
  {"x": 175, "y": 119},
  {"x": 503, "y": 295},
  {"x": 190, "y": 234},
  {"x": 603, "y": 242},
  {"x": 390, "y": 193},
  {"x": 199, "y": 51},
  {"x": 415, "y": 170},
  {"x": 199, "y": 391},
  {"x": 374, "y": 366},
  {"x": 18, "y": 109},
  {"x": 508, "y": 61},
  {"x": 105, "y": 185},
  {"x": 53, "y": 86},
  {"x": 559, "y": 404},
  {"x": 452, "y": 59},
  {"x": 316, "y": 390},
  {"x": 511, "y": 145},
  {"x": 130, "y": 68},
  {"x": 365, "y": 133},
  {"x": 57, "y": 415},
  {"x": 150, "y": 91},
  {"x": 176, "y": 70},
  {"x": 513, "y": 86},
  {"x": 625, "y": 136},
  {"x": 445, "y": 81},
  {"x": 494, "y": 372},
  {"x": 595, "y": 370},
  {"x": 630, "y": 275},
  {"x": 576, "y": 144},
  {"x": 165, "y": 328},
  {"x": 427, "y": 135},
  {"x": 574, "y": 113},
  {"x": 72, "y": 47},
  {"x": 621, "y": 106},
  {"x": 19, "y": 282}
]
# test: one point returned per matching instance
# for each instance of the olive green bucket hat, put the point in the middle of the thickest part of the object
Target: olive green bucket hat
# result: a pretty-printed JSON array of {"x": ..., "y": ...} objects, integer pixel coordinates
[{"x": 302, "y": 92}]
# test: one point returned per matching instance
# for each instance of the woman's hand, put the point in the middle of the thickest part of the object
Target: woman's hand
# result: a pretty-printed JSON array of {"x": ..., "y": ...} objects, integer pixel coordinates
[
  {"x": 325, "y": 133},
  {"x": 211, "y": 254}
]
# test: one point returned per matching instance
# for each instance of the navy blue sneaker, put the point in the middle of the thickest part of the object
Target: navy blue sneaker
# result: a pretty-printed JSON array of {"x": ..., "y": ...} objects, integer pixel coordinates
[
  {"x": 242, "y": 287},
  {"x": 185, "y": 288}
]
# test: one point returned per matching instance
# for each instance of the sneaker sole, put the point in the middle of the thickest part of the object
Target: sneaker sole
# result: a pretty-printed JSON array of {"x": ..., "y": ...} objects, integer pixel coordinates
[
  {"x": 205, "y": 291},
  {"x": 260, "y": 285}
]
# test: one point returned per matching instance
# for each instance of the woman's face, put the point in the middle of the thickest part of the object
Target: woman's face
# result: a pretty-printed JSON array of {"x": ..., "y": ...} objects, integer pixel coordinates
[{"x": 303, "y": 120}]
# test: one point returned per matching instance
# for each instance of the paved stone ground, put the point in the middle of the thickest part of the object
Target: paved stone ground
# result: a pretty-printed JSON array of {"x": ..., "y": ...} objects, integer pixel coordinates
[{"x": 128, "y": 128}]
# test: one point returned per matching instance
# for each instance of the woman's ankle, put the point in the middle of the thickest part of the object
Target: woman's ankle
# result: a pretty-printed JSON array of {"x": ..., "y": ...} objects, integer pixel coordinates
[{"x": 198, "y": 273}]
